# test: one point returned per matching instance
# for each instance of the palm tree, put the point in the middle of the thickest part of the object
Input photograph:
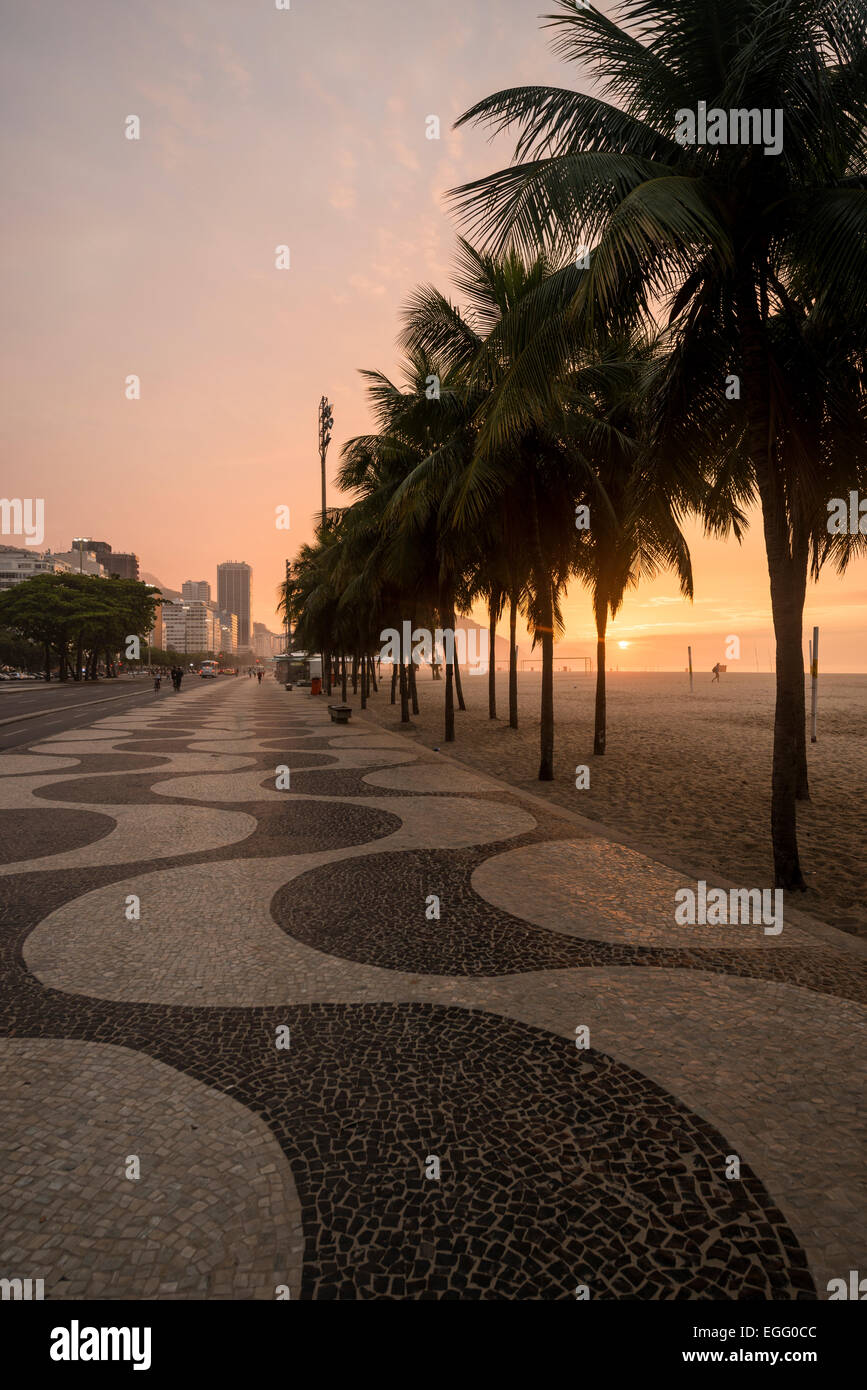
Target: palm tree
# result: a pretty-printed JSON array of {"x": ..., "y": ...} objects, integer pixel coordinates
[
  {"x": 510, "y": 461},
  {"x": 635, "y": 499},
  {"x": 423, "y": 560},
  {"x": 699, "y": 225}
]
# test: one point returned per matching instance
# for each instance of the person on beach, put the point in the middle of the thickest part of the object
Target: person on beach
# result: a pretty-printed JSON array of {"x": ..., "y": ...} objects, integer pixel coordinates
[
  {"x": 179, "y": 676},
  {"x": 156, "y": 681},
  {"x": 259, "y": 677},
  {"x": 715, "y": 670}
]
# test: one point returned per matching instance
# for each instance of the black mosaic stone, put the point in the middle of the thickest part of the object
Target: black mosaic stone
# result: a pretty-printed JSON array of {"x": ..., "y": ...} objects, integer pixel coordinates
[
  {"x": 32, "y": 833},
  {"x": 556, "y": 1167},
  {"x": 109, "y": 762},
  {"x": 559, "y": 1167},
  {"x": 135, "y": 788},
  {"x": 372, "y": 910},
  {"x": 160, "y": 745}
]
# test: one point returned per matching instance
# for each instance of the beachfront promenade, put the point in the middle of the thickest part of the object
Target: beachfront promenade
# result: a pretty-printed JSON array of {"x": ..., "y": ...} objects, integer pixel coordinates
[{"x": 322, "y": 1038}]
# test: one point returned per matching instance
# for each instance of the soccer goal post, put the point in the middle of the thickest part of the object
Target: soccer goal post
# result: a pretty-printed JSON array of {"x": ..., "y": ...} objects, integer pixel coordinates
[{"x": 561, "y": 663}]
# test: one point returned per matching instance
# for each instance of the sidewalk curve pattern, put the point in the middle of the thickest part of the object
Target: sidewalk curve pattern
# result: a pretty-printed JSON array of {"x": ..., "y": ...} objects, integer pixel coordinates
[{"x": 318, "y": 1040}]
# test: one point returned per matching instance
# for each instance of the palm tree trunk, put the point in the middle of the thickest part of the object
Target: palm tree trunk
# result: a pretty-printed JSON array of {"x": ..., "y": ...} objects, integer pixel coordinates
[
  {"x": 47, "y": 646},
  {"x": 404, "y": 694},
  {"x": 513, "y": 661},
  {"x": 413, "y": 688},
  {"x": 545, "y": 608},
  {"x": 371, "y": 668},
  {"x": 343, "y": 678},
  {"x": 394, "y": 671},
  {"x": 364, "y": 681},
  {"x": 492, "y": 665},
  {"x": 546, "y": 760},
  {"x": 801, "y": 550},
  {"x": 76, "y": 675},
  {"x": 788, "y": 735},
  {"x": 355, "y": 673},
  {"x": 449, "y": 737},
  {"x": 601, "y": 613},
  {"x": 784, "y": 600},
  {"x": 450, "y": 703},
  {"x": 458, "y": 685}
]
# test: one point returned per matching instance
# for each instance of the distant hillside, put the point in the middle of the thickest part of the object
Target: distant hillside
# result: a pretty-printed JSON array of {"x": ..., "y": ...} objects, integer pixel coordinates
[
  {"x": 165, "y": 590},
  {"x": 501, "y": 650}
]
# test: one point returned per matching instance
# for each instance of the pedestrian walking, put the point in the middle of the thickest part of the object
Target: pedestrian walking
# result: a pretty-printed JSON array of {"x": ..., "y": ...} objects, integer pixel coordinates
[
  {"x": 259, "y": 676},
  {"x": 716, "y": 671},
  {"x": 156, "y": 681}
]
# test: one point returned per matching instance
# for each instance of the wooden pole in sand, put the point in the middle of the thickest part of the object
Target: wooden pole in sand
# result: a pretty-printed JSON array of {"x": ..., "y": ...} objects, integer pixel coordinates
[
  {"x": 814, "y": 682},
  {"x": 689, "y": 649}
]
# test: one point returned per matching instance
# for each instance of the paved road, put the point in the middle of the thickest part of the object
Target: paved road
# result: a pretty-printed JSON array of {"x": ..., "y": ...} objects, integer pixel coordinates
[
  {"x": 321, "y": 1037},
  {"x": 68, "y": 705}
]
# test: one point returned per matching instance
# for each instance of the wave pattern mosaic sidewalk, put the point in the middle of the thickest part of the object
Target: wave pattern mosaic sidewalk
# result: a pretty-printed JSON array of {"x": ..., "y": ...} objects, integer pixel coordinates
[{"x": 169, "y": 913}]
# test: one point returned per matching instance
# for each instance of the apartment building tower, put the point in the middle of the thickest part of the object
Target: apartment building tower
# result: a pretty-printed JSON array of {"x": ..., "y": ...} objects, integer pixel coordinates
[{"x": 234, "y": 595}]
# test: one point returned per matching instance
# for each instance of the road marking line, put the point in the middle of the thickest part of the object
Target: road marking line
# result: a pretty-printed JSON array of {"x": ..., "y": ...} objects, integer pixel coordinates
[{"x": 80, "y": 704}]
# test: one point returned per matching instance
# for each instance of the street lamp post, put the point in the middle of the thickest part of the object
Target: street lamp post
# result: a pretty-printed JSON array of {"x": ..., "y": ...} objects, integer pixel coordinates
[
  {"x": 288, "y": 627},
  {"x": 288, "y": 632},
  {"x": 326, "y": 424}
]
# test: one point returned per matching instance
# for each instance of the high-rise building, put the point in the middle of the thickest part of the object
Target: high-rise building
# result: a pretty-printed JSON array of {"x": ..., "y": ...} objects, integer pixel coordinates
[
  {"x": 234, "y": 595},
  {"x": 82, "y": 560},
  {"x": 202, "y": 628},
  {"x": 156, "y": 637},
  {"x": 123, "y": 563},
  {"x": 265, "y": 643},
  {"x": 190, "y": 627},
  {"x": 228, "y": 631},
  {"x": 196, "y": 589},
  {"x": 101, "y": 549},
  {"x": 18, "y": 565},
  {"x": 174, "y": 616}
]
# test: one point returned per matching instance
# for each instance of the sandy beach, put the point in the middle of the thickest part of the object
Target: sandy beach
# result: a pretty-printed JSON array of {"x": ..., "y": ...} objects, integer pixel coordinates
[{"x": 685, "y": 778}]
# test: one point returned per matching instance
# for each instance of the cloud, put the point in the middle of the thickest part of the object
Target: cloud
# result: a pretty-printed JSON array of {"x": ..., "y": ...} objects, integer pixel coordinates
[
  {"x": 403, "y": 154},
  {"x": 365, "y": 286},
  {"x": 343, "y": 197}
]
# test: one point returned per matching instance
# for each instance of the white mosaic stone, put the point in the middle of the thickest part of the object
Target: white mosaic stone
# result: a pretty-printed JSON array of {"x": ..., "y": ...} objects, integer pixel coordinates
[
  {"x": 600, "y": 891},
  {"x": 166, "y": 831},
  {"x": 214, "y": 1213}
]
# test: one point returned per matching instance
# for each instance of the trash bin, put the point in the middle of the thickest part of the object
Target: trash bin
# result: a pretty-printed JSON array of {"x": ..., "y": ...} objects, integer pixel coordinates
[{"x": 316, "y": 685}]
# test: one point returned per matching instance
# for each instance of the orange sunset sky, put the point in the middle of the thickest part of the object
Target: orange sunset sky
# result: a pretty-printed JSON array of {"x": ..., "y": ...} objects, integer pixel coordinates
[{"x": 261, "y": 127}]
